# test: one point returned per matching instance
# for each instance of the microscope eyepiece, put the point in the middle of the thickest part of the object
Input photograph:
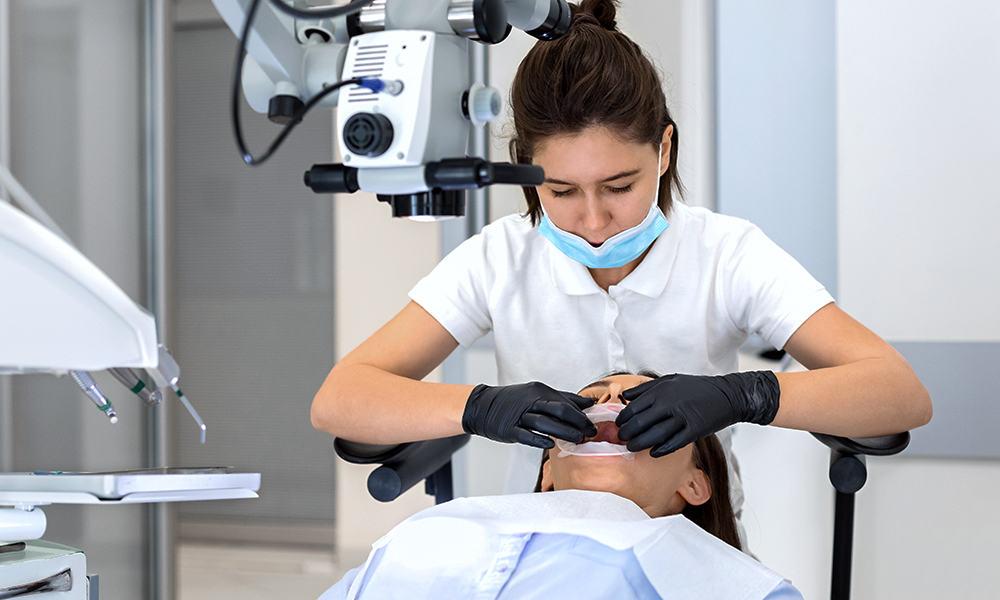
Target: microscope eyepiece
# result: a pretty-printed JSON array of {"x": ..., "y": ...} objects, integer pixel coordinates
[{"x": 556, "y": 24}]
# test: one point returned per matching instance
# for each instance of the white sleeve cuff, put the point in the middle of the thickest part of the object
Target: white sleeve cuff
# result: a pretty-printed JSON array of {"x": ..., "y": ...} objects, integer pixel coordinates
[
  {"x": 789, "y": 324},
  {"x": 460, "y": 326}
]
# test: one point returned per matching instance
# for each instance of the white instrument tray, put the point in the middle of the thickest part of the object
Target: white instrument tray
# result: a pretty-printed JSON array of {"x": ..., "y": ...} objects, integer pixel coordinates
[{"x": 127, "y": 487}]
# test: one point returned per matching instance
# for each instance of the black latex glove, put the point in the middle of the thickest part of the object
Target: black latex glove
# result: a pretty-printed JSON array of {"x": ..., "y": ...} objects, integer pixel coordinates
[
  {"x": 513, "y": 413},
  {"x": 670, "y": 412}
]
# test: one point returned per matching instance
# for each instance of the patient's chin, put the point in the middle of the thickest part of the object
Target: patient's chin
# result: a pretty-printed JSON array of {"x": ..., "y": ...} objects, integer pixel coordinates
[{"x": 599, "y": 474}]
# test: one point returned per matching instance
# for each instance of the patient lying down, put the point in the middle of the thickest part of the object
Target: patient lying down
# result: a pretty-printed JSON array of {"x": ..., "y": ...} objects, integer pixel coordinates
[{"x": 608, "y": 523}]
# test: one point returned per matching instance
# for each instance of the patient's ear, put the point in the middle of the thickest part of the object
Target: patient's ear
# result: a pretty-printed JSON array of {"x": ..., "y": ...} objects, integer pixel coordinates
[
  {"x": 696, "y": 489},
  {"x": 546, "y": 481}
]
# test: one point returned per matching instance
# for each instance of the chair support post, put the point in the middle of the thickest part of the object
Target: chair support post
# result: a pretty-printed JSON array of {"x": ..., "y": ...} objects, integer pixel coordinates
[
  {"x": 843, "y": 543},
  {"x": 439, "y": 484}
]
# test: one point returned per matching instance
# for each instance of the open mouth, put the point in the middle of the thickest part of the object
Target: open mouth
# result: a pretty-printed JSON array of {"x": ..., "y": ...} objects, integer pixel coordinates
[
  {"x": 607, "y": 431},
  {"x": 605, "y": 442}
]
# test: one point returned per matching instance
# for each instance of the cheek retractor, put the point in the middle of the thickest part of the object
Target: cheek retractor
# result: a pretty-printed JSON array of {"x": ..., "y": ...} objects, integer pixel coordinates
[{"x": 599, "y": 413}]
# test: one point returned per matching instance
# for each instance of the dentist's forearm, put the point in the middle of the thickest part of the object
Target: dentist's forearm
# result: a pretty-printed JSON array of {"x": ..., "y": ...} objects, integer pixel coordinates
[
  {"x": 365, "y": 404},
  {"x": 870, "y": 397}
]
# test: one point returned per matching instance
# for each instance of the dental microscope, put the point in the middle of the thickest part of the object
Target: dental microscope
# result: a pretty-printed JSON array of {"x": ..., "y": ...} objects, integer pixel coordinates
[{"x": 398, "y": 73}]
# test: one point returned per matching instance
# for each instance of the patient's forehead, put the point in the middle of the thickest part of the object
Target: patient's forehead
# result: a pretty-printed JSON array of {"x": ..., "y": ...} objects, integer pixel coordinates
[{"x": 600, "y": 386}]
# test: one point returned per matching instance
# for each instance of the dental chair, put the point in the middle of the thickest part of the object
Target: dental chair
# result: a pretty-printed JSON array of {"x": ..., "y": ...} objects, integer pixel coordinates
[{"x": 404, "y": 465}]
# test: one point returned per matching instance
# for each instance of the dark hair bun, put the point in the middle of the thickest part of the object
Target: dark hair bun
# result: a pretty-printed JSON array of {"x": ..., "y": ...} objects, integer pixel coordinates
[{"x": 598, "y": 12}]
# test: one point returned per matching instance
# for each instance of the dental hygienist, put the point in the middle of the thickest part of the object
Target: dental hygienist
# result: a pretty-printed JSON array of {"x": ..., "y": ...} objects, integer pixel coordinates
[{"x": 610, "y": 272}]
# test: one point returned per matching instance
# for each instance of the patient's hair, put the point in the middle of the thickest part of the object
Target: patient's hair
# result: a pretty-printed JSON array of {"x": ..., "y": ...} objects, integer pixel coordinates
[{"x": 715, "y": 516}]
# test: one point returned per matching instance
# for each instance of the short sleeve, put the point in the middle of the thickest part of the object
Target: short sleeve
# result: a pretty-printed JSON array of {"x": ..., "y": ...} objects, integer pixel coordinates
[
  {"x": 766, "y": 291},
  {"x": 455, "y": 292}
]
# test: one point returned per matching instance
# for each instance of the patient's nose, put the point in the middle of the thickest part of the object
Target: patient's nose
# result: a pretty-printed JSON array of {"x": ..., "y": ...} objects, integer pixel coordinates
[{"x": 614, "y": 394}]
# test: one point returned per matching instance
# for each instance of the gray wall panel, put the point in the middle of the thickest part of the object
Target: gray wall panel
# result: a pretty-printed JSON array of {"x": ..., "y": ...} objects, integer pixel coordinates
[
  {"x": 253, "y": 294},
  {"x": 963, "y": 379},
  {"x": 777, "y": 147}
]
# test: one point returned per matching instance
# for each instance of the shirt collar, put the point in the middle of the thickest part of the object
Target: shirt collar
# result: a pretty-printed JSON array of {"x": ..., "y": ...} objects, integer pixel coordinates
[{"x": 648, "y": 279}]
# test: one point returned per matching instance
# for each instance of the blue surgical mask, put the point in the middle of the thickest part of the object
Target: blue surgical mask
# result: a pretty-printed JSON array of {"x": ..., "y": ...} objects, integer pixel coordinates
[{"x": 619, "y": 249}]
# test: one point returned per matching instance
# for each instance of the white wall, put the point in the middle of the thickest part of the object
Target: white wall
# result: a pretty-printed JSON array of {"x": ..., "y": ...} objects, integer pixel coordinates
[
  {"x": 918, "y": 158},
  {"x": 918, "y": 91}
]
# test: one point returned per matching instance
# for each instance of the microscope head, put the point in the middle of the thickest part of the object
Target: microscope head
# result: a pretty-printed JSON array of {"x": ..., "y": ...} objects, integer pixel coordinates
[{"x": 409, "y": 106}]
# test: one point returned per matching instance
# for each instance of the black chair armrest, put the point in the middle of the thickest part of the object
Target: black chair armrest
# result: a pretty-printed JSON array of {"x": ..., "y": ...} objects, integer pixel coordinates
[
  {"x": 367, "y": 454},
  {"x": 403, "y": 465},
  {"x": 885, "y": 445}
]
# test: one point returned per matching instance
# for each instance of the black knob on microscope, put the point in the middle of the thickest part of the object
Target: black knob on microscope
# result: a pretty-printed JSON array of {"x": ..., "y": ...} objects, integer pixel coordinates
[
  {"x": 282, "y": 108},
  {"x": 368, "y": 134}
]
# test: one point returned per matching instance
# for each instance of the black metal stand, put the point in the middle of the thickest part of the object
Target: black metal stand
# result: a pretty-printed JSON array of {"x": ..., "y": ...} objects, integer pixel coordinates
[
  {"x": 843, "y": 544},
  {"x": 440, "y": 485},
  {"x": 848, "y": 473}
]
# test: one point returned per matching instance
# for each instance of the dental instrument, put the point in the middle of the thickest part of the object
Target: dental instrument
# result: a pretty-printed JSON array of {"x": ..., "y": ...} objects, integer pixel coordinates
[
  {"x": 90, "y": 389},
  {"x": 131, "y": 379}
]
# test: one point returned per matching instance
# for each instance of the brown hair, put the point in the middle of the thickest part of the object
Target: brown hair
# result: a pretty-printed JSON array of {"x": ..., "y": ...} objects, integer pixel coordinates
[
  {"x": 594, "y": 75},
  {"x": 715, "y": 516}
]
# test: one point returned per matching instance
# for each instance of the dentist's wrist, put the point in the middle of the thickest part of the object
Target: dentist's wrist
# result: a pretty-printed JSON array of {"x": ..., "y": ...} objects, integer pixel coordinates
[
  {"x": 755, "y": 395},
  {"x": 458, "y": 405}
]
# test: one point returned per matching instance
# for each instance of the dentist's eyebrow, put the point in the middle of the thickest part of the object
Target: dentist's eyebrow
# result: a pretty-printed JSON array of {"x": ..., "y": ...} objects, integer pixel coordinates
[{"x": 605, "y": 180}]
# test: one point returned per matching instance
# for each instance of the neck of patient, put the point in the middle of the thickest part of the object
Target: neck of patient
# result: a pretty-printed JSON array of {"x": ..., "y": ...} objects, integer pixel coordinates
[
  {"x": 654, "y": 507},
  {"x": 673, "y": 506}
]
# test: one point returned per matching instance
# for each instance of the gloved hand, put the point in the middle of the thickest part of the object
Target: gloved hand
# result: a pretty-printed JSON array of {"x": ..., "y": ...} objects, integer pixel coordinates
[
  {"x": 513, "y": 413},
  {"x": 672, "y": 411}
]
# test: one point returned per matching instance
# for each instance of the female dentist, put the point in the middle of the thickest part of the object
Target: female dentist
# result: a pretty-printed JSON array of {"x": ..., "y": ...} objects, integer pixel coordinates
[{"x": 609, "y": 272}]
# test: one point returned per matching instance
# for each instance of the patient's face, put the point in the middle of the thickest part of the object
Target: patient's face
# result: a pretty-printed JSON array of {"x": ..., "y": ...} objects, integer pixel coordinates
[{"x": 661, "y": 486}]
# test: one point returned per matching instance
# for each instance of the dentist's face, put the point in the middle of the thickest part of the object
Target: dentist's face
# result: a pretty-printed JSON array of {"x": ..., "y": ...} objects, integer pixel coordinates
[
  {"x": 660, "y": 486},
  {"x": 596, "y": 184}
]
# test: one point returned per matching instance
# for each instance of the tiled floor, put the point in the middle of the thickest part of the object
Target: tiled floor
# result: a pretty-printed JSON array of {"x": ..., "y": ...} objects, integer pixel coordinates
[{"x": 250, "y": 572}]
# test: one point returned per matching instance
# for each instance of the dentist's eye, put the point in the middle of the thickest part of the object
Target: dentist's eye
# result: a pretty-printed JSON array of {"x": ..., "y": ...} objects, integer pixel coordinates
[
  {"x": 561, "y": 193},
  {"x": 621, "y": 190}
]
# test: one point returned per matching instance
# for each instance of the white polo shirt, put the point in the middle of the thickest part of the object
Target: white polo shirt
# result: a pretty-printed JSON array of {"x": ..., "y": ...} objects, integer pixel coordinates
[{"x": 708, "y": 281}]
